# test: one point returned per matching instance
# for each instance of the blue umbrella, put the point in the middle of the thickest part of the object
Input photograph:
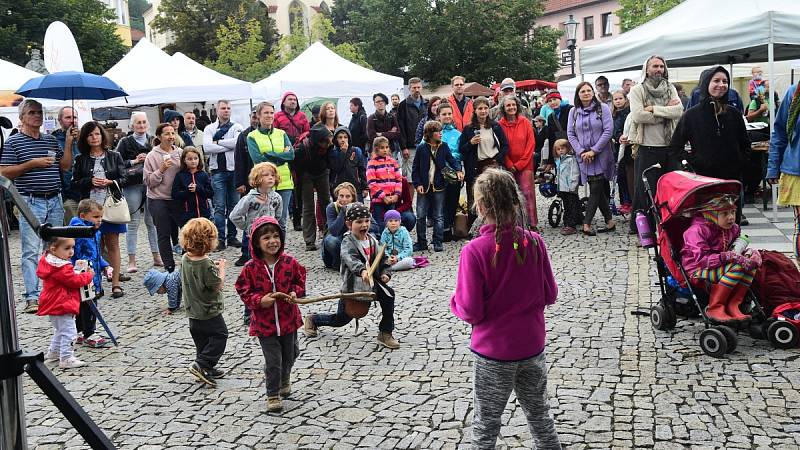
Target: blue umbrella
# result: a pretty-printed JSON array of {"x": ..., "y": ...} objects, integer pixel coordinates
[{"x": 71, "y": 86}]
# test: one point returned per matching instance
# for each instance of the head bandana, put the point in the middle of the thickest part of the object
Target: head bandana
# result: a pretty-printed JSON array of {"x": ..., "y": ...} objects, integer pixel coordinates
[{"x": 357, "y": 211}]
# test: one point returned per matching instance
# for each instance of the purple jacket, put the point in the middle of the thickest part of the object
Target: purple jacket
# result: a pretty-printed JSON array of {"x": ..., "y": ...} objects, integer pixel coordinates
[
  {"x": 504, "y": 304},
  {"x": 703, "y": 242},
  {"x": 587, "y": 132}
]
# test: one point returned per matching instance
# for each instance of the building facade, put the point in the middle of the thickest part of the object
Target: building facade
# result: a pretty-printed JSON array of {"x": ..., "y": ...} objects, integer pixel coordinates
[
  {"x": 122, "y": 19},
  {"x": 597, "y": 22},
  {"x": 286, "y": 14}
]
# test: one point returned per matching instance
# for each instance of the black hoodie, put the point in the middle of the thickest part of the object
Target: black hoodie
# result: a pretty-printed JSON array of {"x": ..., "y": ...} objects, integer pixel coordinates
[
  {"x": 309, "y": 157},
  {"x": 719, "y": 142}
]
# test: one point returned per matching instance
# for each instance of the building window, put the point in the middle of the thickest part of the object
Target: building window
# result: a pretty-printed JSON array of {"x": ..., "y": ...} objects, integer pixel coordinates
[
  {"x": 296, "y": 17},
  {"x": 588, "y": 28},
  {"x": 607, "y": 25}
]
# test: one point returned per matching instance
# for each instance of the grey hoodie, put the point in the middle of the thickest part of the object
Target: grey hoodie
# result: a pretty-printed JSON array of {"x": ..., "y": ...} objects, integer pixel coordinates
[{"x": 248, "y": 209}]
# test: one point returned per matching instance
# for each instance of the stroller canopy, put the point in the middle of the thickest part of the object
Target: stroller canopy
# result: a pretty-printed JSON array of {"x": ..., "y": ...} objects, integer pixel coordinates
[{"x": 680, "y": 191}]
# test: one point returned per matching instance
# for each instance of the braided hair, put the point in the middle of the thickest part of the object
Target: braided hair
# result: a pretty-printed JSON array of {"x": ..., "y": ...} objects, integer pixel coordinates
[{"x": 499, "y": 200}]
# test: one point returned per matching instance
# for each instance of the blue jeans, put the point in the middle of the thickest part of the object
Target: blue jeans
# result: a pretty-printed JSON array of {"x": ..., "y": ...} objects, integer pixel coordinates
[
  {"x": 46, "y": 210},
  {"x": 340, "y": 317},
  {"x": 225, "y": 198},
  {"x": 331, "y": 251},
  {"x": 286, "y": 198},
  {"x": 432, "y": 201},
  {"x": 246, "y": 244},
  {"x": 408, "y": 220}
]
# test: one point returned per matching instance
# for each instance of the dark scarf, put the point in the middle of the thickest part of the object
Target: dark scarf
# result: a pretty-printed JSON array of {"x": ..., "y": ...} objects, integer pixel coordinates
[{"x": 223, "y": 130}]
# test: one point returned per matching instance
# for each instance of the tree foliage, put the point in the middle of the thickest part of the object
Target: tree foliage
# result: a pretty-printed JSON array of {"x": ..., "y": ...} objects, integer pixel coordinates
[
  {"x": 240, "y": 49},
  {"x": 136, "y": 9},
  {"x": 483, "y": 41},
  {"x": 24, "y": 23},
  {"x": 633, "y": 13},
  {"x": 194, "y": 24},
  {"x": 322, "y": 30}
]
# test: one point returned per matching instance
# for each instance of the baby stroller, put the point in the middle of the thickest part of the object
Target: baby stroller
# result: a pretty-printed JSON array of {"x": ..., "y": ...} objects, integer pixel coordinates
[
  {"x": 548, "y": 189},
  {"x": 678, "y": 199}
]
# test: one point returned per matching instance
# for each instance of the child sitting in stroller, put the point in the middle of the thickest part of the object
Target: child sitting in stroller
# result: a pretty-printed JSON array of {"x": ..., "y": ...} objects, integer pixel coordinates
[{"x": 708, "y": 257}]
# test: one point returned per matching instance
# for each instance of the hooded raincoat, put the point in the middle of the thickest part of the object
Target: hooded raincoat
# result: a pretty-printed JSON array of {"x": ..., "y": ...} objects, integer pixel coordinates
[
  {"x": 717, "y": 134},
  {"x": 257, "y": 280}
]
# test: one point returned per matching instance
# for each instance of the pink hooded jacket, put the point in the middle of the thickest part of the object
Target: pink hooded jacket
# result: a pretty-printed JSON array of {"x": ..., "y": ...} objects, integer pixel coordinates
[
  {"x": 703, "y": 243},
  {"x": 505, "y": 303}
]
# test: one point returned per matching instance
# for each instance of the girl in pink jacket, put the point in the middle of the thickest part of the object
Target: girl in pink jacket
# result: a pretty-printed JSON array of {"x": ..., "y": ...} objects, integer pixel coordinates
[
  {"x": 504, "y": 283},
  {"x": 707, "y": 256}
]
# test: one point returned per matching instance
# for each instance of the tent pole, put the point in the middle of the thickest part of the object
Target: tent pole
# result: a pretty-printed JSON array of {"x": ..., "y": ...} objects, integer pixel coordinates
[{"x": 771, "y": 59}]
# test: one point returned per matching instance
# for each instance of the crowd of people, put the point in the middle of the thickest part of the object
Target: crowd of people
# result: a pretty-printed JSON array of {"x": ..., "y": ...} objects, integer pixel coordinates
[{"x": 358, "y": 191}]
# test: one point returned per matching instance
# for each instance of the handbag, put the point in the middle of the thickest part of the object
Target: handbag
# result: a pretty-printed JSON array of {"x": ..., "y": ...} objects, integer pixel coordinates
[
  {"x": 115, "y": 209},
  {"x": 450, "y": 175},
  {"x": 135, "y": 170}
]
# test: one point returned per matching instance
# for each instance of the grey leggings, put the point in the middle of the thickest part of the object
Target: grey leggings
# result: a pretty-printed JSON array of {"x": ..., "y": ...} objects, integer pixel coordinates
[
  {"x": 599, "y": 197},
  {"x": 494, "y": 381},
  {"x": 134, "y": 195}
]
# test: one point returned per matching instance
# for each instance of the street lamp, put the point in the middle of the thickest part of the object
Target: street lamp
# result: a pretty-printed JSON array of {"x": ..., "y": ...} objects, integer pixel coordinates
[{"x": 571, "y": 27}]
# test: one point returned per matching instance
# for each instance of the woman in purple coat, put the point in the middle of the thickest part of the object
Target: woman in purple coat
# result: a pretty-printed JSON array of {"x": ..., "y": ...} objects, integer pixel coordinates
[{"x": 589, "y": 131}]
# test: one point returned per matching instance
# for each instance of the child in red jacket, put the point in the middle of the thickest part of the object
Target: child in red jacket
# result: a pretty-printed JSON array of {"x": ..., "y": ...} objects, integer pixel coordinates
[
  {"x": 61, "y": 299},
  {"x": 268, "y": 285}
]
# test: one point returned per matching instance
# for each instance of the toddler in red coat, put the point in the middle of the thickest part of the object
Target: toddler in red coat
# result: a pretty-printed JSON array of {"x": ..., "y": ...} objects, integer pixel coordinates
[
  {"x": 61, "y": 299},
  {"x": 268, "y": 286}
]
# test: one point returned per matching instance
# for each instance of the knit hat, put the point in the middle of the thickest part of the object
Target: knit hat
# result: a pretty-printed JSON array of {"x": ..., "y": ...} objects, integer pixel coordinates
[
  {"x": 391, "y": 215},
  {"x": 716, "y": 205},
  {"x": 153, "y": 280},
  {"x": 357, "y": 211},
  {"x": 553, "y": 94}
]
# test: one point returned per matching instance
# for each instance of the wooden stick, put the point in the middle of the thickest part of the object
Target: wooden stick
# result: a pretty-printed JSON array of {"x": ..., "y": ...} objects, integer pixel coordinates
[
  {"x": 307, "y": 300},
  {"x": 375, "y": 263}
]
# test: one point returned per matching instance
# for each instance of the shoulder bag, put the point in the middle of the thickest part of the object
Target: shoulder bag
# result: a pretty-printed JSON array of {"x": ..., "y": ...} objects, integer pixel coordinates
[{"x": 115, "y": 208}]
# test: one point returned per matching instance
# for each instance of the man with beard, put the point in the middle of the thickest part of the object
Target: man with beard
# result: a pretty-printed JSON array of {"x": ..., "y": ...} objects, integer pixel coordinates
[{"x": 655, "y": 111}]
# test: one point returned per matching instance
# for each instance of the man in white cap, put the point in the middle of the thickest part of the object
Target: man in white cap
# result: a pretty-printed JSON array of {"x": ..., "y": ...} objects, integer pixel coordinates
[{"x": 509, "y": 87}]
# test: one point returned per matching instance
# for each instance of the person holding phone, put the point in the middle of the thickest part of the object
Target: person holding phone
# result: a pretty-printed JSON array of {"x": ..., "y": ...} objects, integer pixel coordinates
[{"x": 35, "y": 162}]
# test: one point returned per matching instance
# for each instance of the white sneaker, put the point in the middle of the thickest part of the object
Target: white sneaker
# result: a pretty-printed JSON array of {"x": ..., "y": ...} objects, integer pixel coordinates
[
  {"x": 51, "y": 356},
  {"x": 71, "y": 363}
]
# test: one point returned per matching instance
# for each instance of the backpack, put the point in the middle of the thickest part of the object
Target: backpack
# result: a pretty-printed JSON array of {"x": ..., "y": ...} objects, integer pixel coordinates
[{"x": 776, "y": 282}]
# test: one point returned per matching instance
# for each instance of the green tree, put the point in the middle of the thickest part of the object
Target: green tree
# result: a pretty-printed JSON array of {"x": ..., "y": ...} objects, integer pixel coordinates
[
  {"x": 482, "y": 41},
  {"x": 194, "y": 23},
  {"x": 633, "y": 13},
  {"x": 136, "y": 9},
  {"x": 92, "y": 23},
  {"x": 291, "y": 45},
  {"x": 240, "y": 49}
]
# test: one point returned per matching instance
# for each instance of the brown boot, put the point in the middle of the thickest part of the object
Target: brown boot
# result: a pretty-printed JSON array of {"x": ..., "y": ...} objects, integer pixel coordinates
[
  {"x": 309, "y": 328},
  {"x": 735, "y": 301},
  {"x": 388, "y": 340},
  {"x": 716, "y": 303},
  {"x": 274, "y": 404}
]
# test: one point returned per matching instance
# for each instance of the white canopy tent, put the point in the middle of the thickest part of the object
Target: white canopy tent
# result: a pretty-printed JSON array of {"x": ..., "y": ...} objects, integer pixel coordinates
[
  {"x": 701, "y": 33},
  {"x": 14, "y": 76},
  {"x": 319, "y": 72},
  {"x": 150, "y": 76}
]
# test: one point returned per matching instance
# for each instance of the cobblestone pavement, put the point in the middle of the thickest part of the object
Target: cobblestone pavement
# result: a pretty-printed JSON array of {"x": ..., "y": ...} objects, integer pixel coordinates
[{"x": 614, "y": 382}]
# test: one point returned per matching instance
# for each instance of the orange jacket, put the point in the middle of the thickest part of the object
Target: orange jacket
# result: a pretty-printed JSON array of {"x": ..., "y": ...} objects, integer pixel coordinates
[
  {"x": 521, "y": 143},
  {"x": 461, "y": 119}
]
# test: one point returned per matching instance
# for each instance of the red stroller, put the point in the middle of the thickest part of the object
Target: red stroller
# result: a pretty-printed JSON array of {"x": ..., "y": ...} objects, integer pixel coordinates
[{"x": 680, "y": 195}]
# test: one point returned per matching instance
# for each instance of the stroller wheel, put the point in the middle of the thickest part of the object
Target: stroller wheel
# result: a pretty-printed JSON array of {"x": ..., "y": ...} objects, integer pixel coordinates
[
  {"x": 662, "y": 316},
  {"x": 554, "y": 213},
  {"x": 730, "y": 337},
  {"x": 783, "y": 334},
  {"x": 713, "y": 342}
]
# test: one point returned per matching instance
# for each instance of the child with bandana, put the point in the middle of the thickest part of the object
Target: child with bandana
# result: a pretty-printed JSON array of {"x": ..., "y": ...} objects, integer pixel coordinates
[
  {"x": 359, "y": 250},
  {"x": 707, "y": 256}
]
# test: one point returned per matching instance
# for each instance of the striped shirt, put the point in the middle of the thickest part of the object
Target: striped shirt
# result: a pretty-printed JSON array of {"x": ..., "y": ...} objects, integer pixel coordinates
[
  {"x": 21, "y": 148},
  {"x": 384, "y": 177}
]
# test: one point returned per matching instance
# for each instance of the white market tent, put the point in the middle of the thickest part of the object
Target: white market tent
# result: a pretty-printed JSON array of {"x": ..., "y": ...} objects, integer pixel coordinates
[
  {"x": 701, "y": 33},
  {"x": 318, "y": 72},
  {"x": 14, "y": 76},
  {"x": 150, "y": 76}
]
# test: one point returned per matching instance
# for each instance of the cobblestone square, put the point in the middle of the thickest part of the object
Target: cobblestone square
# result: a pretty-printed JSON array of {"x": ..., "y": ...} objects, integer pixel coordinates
[{"x": 614, "y": 382}]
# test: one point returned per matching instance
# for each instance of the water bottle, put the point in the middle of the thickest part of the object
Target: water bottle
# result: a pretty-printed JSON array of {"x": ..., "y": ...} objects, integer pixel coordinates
[
  {"x": 81, "y": 266},
  {"x": 646, "y": 236},
  {"x": 740, "y": 244}
]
